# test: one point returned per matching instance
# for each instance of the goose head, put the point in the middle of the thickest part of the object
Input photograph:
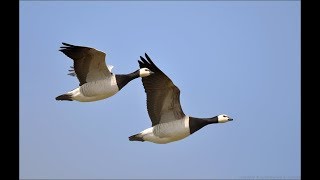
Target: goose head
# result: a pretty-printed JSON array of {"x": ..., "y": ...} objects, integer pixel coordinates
[
  {"x": 222, "y": 118},
  {"x": 144, "y": 72}
]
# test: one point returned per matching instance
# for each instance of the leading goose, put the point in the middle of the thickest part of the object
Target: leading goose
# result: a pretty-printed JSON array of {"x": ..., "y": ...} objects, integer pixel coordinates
[
  {"x": 169, "y": 123},
  {"x": 96, "y": 79}
]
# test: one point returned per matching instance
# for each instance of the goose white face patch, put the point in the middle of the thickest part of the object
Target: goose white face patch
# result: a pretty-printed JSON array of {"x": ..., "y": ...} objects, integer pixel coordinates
[
  {"x": 144, "y": 72},
  {"x": 222, "y": 118}
]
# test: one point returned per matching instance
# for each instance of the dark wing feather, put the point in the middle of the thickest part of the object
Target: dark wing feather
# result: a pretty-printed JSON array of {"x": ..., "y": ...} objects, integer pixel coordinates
[
  {"x": 71, "y": 71},
  {"x": 89, "y": 63},
  {"x": 163, "y": 97}
]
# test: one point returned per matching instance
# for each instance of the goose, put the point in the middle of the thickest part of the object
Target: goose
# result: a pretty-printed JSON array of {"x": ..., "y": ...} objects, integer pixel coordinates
[
  {"x": 97, "y": 82},
  {"x": 169, "y": 123}
]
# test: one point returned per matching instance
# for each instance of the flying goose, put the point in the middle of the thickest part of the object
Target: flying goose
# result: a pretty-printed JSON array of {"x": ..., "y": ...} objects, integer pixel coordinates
[
  {"x": 169, "y": 123},
  {"x": 97, "y": 82}
]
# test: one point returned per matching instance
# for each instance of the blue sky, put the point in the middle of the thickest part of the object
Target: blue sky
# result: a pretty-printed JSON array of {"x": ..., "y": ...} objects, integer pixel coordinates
[{"x": 241, "y": 58}]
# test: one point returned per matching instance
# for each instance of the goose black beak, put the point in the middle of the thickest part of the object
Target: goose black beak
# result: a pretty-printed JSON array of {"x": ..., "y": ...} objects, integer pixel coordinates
[
  {"x": 151, "y": 72},
  {"x": 230, "y": 119}
]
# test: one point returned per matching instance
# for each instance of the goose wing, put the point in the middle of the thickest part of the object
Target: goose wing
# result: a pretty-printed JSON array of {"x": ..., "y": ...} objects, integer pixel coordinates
[
  {"x": 163, "y": 97},
  {"x": 88, "y": 63}
]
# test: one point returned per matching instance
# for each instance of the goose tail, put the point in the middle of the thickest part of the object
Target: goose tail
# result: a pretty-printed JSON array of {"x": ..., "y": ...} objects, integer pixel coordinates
[
  {"x": 64, "y": 97},
  {"x": 136, "y": 137}
]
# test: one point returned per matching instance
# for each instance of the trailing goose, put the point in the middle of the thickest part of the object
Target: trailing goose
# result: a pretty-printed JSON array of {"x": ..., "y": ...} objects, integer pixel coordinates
[
  {"x": 169, "y": 123},
  {"x": 97, "y": 82}
]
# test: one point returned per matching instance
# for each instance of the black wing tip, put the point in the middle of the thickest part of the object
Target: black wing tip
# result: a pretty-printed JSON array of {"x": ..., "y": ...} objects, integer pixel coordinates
[
  {"x": 146, "y": 55},
  {"x": 67, "y": 44},
  {"x": 141, "y": 64},
  {"x": 68, "y": 47},
  {"x": 144, "y": 61},
  {"x": 148, "y": 63},
  {"x": 149, "y": 59},
  {"x": 142, "y": 58},
  {"x": 63, "y": 50}
]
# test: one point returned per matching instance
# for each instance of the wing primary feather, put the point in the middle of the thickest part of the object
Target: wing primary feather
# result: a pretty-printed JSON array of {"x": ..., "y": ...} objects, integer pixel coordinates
[
  {"x": 146, "y": 63},
  {"x": 148, "y": 58},
  {"x": 72, "y": 74},
  {"x": 140, "y": 64},
  {"x": 142, "y": 59},
  {"x": 66, "y": 44},
  {"x": 151, "y": 62}
]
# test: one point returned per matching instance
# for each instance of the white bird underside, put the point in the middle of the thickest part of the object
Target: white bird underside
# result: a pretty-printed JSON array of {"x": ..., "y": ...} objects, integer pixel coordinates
[
  {"x": 167, "y": 132},
  {"x": 96, "y": 90}
]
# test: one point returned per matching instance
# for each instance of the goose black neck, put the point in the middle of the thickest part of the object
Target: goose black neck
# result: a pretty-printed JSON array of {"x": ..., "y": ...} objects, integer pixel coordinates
[
  {"x": 124, "y": 79},
  {"x": 197, "y": 123}
]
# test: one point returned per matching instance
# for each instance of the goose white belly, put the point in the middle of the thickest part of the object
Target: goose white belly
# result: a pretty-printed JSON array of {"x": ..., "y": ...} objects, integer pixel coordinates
[
  {"x": 96, "y": 90},
  {"x": 167, "y": 132}
]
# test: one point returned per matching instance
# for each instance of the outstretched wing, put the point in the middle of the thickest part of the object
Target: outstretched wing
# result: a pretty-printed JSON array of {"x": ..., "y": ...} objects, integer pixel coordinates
[
  {"x": 163, "y": 97},
  {"x": 88, "y": 63}
]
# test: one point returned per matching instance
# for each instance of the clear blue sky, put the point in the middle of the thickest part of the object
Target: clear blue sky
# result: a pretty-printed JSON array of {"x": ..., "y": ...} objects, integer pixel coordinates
[{"x": 241, "y": 58}]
